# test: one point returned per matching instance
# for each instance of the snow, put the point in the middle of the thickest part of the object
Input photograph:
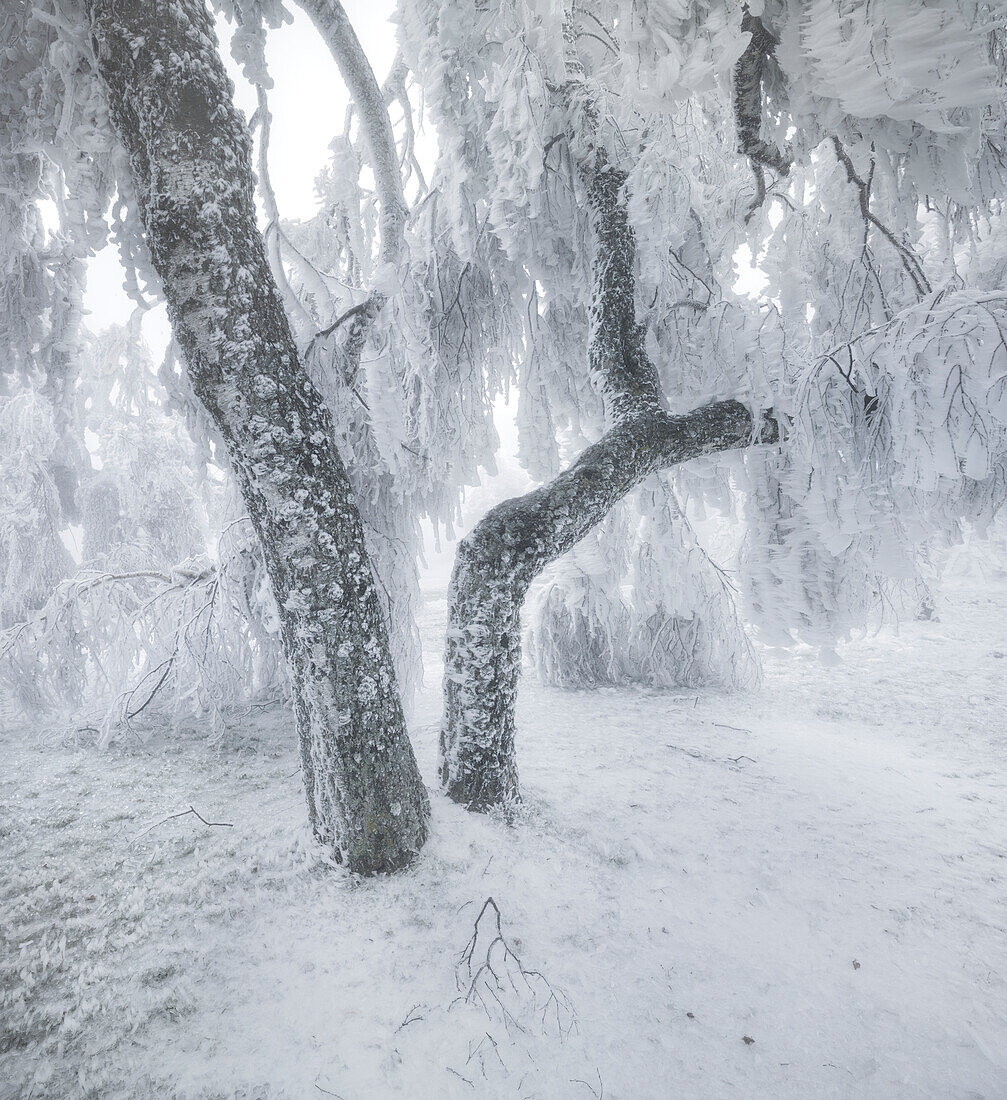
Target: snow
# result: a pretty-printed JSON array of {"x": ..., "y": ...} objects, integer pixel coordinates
[{"x": 818, "y": 867}]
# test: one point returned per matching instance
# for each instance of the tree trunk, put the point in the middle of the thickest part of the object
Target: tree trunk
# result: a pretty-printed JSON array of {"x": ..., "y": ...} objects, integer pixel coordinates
[
  {"x": 189, "y": 154},
  {"x": 514, "y": 542},
  {"x": 329, "y": 18}
]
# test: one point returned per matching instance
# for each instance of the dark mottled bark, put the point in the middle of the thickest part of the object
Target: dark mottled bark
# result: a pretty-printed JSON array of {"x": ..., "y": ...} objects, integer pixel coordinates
[
  {"x": 514, "y": 542},
  {"x": 511, "y": 545},
  {"x": 749, "y": 71},
  {"x": 189, "y": 153}
]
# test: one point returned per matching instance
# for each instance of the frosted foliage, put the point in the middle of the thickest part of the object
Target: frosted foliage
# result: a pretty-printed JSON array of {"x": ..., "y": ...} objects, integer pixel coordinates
[
  {"x": 640, "y": 602},
  {"x": 578, "y": 620},
  {"x": 866, "y": 188},
  {"x": 170, "y": 616},
  {"x": 141, "y": 498},
  {"x": 55, "y": 144},
  {"x": 411, "y": 389},
  {"x": 33, "y": 558},
  {"x": 908, "y": 60},
  {"x": 160, "y": 647},
  {"x": 436, "y": 357},
  {"x": 511, "y": 147},
  {"x": 891, "y": 117},
  {"x": 922, "y": 414},
  {"x": 142, "y": 505}
]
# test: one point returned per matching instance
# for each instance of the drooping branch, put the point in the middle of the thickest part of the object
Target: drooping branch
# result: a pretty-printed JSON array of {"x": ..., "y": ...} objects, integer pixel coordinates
[
  {"x": 912, "y": 265},
  {"x": 513, "y": 543},
  {"x": 748, "y": 77}
]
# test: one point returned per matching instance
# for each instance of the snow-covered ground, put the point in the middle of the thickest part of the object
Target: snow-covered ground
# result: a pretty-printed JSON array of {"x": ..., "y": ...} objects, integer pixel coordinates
[{"x": 796, "y": 893}]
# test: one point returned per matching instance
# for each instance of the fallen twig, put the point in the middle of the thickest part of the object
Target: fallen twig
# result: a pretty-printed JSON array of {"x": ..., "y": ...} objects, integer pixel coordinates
[
  {"x": 328, "y": 1092},
  {"x": 457, "y": 1074},
  {"x": 498, "y": 975},
  {"x": 410, "y": 1019},
  {"x": 184, "y": 813},
  {"x": 579, "y": 1081}
]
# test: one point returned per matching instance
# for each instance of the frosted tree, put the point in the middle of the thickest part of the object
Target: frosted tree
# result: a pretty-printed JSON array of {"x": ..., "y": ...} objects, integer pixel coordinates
[
  {"x": 190, "y": 163},
  {"x": 864, "y": 165},
  {"x": 145, "y": 87},
  {"x": 577, "y": 236},
  {"x": 497, "y": 562}
]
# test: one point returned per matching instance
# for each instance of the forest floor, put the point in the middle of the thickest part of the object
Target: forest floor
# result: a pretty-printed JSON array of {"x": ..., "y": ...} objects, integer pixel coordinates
[{"x": 798, "y": 892}]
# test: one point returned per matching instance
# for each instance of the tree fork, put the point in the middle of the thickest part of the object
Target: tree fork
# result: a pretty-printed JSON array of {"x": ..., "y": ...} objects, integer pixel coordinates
[
  {"x": 190, "y": 159},
  {"x": 496, "y": 563}
]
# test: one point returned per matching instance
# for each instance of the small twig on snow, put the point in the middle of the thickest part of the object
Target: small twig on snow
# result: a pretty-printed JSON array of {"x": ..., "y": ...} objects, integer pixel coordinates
[
  {"x": 184, "y": 813},
  {"x": 328, "y": 1092},
  {"x": 410, "y": 1018},
  {"x": 599, "y": 1094}
]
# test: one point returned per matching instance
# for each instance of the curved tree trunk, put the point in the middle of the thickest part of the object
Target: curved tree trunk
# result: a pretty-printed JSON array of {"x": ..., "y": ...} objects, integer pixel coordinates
[
  {"x": 189, "y": 154},
  {"x": 336, "y": 30},
  {"x": 514, "y": 542},
  {"x": 331, "y": 22}
]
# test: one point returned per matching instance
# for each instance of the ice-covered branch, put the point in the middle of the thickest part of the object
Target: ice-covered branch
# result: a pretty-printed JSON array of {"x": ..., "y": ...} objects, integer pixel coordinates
[
  {"x": 748, "y": 77},
  {"x": 335, "y": 28},
  {"x": 912, "y": 265},
  {"x": 369, "y": 100}
]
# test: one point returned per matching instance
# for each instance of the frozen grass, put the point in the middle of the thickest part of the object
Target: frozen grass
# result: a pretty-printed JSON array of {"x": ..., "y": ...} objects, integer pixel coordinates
[{"x": 817, "y": 868}]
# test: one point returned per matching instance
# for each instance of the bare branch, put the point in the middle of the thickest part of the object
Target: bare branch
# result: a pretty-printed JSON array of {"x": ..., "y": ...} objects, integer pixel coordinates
[{"x": 912, "y": 265}]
